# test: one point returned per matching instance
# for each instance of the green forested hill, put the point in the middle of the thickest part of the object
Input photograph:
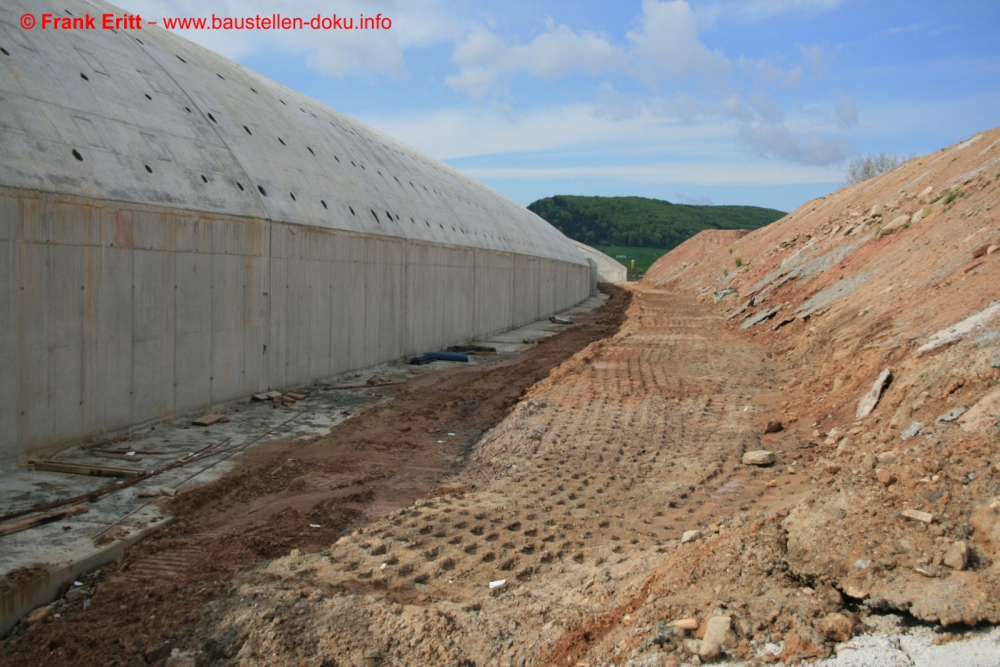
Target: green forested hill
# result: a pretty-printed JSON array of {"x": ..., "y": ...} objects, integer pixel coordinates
[{"x": 638, "y": 222}]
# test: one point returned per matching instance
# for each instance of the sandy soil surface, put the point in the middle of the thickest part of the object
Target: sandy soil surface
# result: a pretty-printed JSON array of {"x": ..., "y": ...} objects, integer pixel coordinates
[
  {"x": 299, "y": 494},
  {"x": 704, "y": 482}
]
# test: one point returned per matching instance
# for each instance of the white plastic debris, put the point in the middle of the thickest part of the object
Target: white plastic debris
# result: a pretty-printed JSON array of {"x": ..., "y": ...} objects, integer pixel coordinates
[
  {"x": 498, "y": 583},
  {"x": 315, "y": 525}
]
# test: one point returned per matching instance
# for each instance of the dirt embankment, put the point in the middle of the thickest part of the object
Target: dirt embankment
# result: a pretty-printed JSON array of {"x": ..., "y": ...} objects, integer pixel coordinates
[{"x": 901, "y": 273}]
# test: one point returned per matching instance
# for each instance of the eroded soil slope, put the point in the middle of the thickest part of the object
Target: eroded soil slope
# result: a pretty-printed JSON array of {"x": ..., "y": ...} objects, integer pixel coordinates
[{"x": 901, "y": 272}]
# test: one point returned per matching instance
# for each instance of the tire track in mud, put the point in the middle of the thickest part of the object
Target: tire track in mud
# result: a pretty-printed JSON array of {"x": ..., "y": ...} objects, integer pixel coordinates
[{"x": 572, "y": 500}]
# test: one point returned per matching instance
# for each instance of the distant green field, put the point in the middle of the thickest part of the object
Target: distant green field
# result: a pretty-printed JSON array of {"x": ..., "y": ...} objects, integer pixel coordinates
[{"x": 644, "y": 257}]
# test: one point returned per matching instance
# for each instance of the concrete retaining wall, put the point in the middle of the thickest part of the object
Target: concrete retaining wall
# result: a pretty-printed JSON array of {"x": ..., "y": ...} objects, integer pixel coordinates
[
  {"x": 116, "y": 314},
  {"x": 609, "y": 270}
]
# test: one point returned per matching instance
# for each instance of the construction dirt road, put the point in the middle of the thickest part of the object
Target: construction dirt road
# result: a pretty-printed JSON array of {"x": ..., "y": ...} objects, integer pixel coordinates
[{"x": 772, "y": 440}]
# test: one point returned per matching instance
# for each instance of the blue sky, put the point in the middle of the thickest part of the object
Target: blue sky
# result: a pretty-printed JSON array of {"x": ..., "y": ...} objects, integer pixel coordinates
[{"x": 757, "y": 102}]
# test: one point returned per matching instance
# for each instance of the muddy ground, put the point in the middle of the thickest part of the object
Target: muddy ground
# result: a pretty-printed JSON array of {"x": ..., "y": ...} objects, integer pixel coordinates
[{"x": 374, "y": 463}]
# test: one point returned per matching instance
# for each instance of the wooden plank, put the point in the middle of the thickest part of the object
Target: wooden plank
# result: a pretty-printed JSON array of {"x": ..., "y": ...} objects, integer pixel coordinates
[
  {"x": 84, "y": 469},
  {"x": 105, "y": 443},
  {"x": 31, "y": 522},
  {"x": 112, "y": 455},
  {"x": 208, "y": 420},
  {"x": 361, "y": 386}
]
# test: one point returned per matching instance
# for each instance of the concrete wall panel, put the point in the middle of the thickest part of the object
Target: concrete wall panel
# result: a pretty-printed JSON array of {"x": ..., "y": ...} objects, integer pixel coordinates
[
  {"x": 111, "y": 401},
  {"x": 153, "y": 315},
  {"x": 494, "y": 298},
  {"x": 526, "y": 286},
  {"x": 189, "y": 305},
  {"x": 65, "y": 302},
  {"x": 35, "y": 325},
  {"x": 228, "y": 308},
  {"x": 10, "y": 353},
  {"x": 547, "y": 286}
]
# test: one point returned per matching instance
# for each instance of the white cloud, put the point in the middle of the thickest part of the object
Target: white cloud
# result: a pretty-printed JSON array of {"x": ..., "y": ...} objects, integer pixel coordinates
[
  {"x": 847, "y": 113},
  {"x": 666, "y": 48},
  {"x": 819, "y": 61},
  {"x": 770, "y": 139},
  {"x": 691, "y": 173},
  {"x": 771, "y": 74},
  {"x": 766, "y": 107},
  {"x": 483, "y": 58},
  {"x": 697, "y": 201},
  {"x": 768, "y": 8},
  {"x": 455, "y": 133}
]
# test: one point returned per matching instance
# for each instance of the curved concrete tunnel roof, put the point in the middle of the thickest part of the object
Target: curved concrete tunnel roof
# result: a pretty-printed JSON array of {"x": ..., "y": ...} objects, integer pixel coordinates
[
  {"x": 148, "y": 117},
  {"x": 177, "y": 231}
]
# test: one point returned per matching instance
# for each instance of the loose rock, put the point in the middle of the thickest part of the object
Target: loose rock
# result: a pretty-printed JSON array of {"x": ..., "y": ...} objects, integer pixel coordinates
[
  {"x": 871, "y": 399},
  {"x": 836, "y": 627},
  {"x": 760, "y": 457},
  {"x": 957, "y": 557},
  {"x": 917, "y": 515},
  {"x": 719, "y": 632},
  {"x": 774, "y": 427},
  {"x": 885, "y": 477},
  {"x": 690, "y": 536},
  {"x": 915, "y": 429}
]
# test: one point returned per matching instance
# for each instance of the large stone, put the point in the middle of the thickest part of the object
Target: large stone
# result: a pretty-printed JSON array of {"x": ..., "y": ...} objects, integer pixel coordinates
[
  {"x": 836, "y": 627},
  {"x": 719, "y": 631},
  {"x": 760, "y": 317},
  {"x": 759, "y": 457},
  {"x": 877, "y": 210},
  {"x": 957, "y": 557},
  {"x": 915, "y": 429},
  {"x": 871, "y": 399},
  {"x": 690, "y": 536},
  {"x": 38, "y": 615},
  {"x": 897, "y": 223}
]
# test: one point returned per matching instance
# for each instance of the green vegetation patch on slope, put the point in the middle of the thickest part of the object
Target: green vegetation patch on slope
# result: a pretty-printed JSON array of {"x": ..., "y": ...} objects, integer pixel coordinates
[
  {"x": 644, "y": 257},
  {"x": 638, "y": 222}
]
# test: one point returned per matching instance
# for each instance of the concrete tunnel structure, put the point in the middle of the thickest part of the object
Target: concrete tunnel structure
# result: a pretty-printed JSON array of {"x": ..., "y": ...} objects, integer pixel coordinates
[{"x": 177, "y": 231}]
